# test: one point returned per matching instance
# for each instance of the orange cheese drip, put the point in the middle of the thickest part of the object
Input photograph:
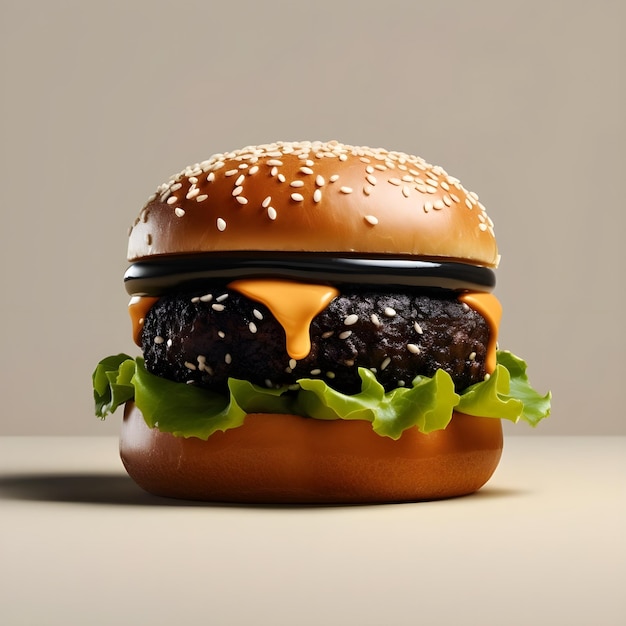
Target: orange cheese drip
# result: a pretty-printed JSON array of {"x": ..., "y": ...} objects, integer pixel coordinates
[
  {"x": 138, "y": 307},
  {"x": 490, "y": 308},
  {"x": 294, "y": 305}
]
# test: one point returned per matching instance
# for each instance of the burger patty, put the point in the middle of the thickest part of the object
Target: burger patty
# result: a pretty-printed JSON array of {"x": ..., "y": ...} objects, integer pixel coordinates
[{"x": 205, "y": 337}]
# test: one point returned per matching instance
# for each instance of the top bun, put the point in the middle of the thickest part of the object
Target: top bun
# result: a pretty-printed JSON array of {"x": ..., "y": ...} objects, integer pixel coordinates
[{"x": 315, "y": 197}]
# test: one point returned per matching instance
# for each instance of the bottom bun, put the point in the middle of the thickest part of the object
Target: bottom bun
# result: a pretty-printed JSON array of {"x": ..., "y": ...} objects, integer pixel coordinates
[{"x": 275, "y": 458}]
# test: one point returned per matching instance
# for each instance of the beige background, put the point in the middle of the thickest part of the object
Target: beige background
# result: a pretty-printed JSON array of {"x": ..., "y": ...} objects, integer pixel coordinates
[{"x": 521, "y": 100}]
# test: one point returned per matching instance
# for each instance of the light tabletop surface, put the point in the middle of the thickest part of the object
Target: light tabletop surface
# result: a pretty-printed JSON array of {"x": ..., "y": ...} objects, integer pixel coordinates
[{"x": 543, "y": 543}]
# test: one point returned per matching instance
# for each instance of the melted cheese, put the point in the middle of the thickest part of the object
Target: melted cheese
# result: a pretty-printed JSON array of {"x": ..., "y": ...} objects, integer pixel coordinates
[
  {"x": 490, "y": 308},
  {"x": 294, "y": 305},
  {"x": 138, "y": 308}
]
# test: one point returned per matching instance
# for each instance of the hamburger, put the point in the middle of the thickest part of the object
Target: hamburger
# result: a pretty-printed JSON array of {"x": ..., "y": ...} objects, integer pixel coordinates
[{"x": 317, "y": 325}]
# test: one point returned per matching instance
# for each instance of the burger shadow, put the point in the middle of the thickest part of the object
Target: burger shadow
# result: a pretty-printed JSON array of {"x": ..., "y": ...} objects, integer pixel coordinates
[{"x": 120, "y": 490}]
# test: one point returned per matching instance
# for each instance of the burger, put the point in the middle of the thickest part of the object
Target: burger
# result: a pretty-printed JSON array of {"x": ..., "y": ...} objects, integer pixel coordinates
[{"x": 317, "y": 325}]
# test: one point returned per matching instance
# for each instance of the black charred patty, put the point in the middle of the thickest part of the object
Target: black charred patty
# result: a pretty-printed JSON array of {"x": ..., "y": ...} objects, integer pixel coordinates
[{"x": 207, "y": 336}]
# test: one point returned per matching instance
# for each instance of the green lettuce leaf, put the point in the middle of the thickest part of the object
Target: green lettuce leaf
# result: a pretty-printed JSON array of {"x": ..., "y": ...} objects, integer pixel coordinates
[
  {"x": 427, "y": 404},
  {"x": 188, "y": 411}
]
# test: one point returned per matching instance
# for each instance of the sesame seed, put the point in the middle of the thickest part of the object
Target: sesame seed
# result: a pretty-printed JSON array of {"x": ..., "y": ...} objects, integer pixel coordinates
[
  {"x": 455, "y": 198},
  {"x": 228, "y": 359},
  {"x": 241, "y": 200},
  {"x": 413, "y": 348},
  {"x": 274, "y": 162},
  {"x": 316, "y": 372},
  {"x": 179, "y": 212},
  {"x": 431, "y": 189},
  {"x": 418, "y": 328},
  {"x": 333, "y": 178},
  {"x": 268, "y": 383},
  {"x": 465, "y": 306},
  {"x": 327, "y": 334},
  {"x": 428, "y": 206},
  {"x": 444, "y": 185},
  {"x": 330, "y": 374},
  {"x": 221, "y": 298},
  {"x": 306, "y": 170},
  {"x": 274, "y": 171},
  {"x": 253, "y": 170},
  {"x": 385, "y": 363},
  {"x": 221, "y": 224},
  {"x": 447, "y": 200},
  {"x": 380, "y": 167},
  {"x": 487, "y": 376},
  {"x": 345, "y": 334},
  {"x": 296, "y": 183},
  {"x": 158, "y": 340},
  {"x": 231, "y": 172},
  {"x": 237, "y": 190},
  {"x": 375, "y": 320},
  {"x": 201, "y": 198},
  {"x": 211, "y": 177},
  {"x": 317, "y": 195},
  {"x": 240, "y": 179},
  {"x": 206, "y": 297},
  {"x": 346, "y": 189},
  {"x": 281, "y": 178},
  {"x": 172, "y": 200},
  {"x": 438, "y": 205},
  {"x": 395, "y": 181},
  {"x": 271, "y": 213},
  {"x": 482, "y": 227},
  {"x": 472, "y": 356},
  {"x": 351, "y": 319},
  {"x": 266, "y": 202},
  {"x": 389, "y": 312},
  {"x": 190, "y": 366},
  {"x": 218, "y": 307},
  {"x": 257, "y": 314},
  {"x": 468, "y": 204},
  {"x": 343, "y": 157},
  {"x": 149, "y": 239},
  {"x": 297, "y": 197},
  {"x": 176, "y": 186},
  {"x": 349, "y": 362},
  {"x": 371, "y": 179},
  {"x": 292, "y": 364},
  {"x": 221, "y": 334},
  {"x": 192, "y": 193},
  {"x": 406, "y": 192},
  {"x": 319, "y": 181},
  {"x": 371, "y": 219},
  {"x": 252, "y": 327}
]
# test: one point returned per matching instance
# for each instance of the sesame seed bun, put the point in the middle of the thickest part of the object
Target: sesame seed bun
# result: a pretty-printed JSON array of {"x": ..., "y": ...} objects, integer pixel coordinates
[
  {"x": 291, "y": 459},
  {"x": 322, "y": 197}
]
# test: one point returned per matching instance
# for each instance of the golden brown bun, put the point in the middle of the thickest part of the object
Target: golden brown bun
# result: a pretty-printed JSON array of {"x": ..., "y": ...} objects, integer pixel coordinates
[
  {"x": 315, "y": 197},
  {"x": 290, "y": 459}
]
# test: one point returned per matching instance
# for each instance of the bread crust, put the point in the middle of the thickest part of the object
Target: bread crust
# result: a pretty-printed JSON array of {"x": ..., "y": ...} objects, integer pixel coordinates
[
  {"x": 290, "y": 459},
  {"x": 320, "y": 197}
]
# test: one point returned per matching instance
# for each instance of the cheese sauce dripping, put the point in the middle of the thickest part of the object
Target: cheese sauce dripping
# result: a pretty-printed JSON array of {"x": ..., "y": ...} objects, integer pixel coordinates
[
  {"x": 490, "y": 308},
  {"x": 294, "y": 305},
  {"x": 138, "y": 308}
]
